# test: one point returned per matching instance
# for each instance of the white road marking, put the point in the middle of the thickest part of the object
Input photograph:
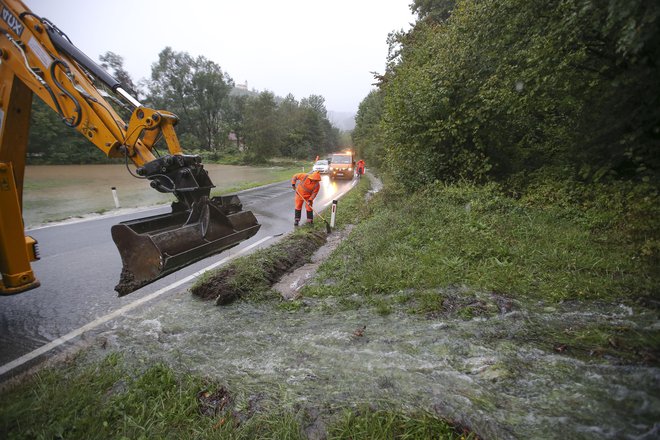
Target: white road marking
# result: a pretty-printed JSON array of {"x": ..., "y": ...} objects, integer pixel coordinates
[{"x": 79, "y": 331}]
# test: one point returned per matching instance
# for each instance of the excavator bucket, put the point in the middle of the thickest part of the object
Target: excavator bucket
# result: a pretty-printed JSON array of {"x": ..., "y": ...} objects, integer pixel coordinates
[{"x": 155, "y": 246}]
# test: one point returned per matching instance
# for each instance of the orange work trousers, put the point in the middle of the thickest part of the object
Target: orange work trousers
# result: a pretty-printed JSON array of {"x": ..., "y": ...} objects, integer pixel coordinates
[{"x": 300, "y": 201}]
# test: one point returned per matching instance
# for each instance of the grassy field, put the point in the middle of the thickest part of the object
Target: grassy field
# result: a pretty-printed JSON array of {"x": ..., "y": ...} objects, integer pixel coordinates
[{"x": 58, "y": 192}]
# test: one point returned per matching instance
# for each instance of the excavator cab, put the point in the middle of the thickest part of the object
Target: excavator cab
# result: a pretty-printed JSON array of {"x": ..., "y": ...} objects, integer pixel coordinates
[{"x": 38, "y": 58}]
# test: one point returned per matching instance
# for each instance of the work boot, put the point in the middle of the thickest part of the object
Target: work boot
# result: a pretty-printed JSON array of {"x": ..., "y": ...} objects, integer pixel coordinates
[
  {"x": 310, "y": 217},
  {"x": 297, "y": 215}
]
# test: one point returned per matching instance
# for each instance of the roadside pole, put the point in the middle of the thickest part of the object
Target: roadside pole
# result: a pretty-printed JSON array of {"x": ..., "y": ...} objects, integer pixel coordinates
[
  {"x": 334, "y": 212},
  {"x": 114, "y": 196}
]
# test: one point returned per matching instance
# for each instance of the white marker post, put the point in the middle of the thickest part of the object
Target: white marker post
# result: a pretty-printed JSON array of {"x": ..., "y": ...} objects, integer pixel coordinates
[
  {"x": 114, "y": 196},
  {"x": 334, "y": 212}
]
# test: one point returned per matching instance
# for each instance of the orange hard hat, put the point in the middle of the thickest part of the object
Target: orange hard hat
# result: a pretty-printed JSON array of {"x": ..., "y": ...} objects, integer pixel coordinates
[{"x": 315, "y": 176}]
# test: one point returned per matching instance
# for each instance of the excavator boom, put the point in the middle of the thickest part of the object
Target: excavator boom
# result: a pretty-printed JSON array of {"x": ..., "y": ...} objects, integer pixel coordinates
[{"x": 38, "y": 58}]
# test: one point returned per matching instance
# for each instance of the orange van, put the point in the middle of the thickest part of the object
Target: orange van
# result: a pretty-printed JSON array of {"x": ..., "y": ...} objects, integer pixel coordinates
[{"x": 342, "y": 166}]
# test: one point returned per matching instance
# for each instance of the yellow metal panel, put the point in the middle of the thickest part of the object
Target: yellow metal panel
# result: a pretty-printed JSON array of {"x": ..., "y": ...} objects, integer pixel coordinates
[
  {"x": 17, "y": 275},
  {"x": 16, "y": 251}
]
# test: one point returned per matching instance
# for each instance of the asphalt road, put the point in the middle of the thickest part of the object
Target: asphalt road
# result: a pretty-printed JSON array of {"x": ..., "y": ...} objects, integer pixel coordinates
[{"x": 80, "y": 266}]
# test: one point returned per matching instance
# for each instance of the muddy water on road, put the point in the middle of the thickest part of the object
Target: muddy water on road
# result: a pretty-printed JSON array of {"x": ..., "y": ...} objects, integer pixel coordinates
[
  {"x": 325, "y": 358},
  {"x": 57, "y": 192}
]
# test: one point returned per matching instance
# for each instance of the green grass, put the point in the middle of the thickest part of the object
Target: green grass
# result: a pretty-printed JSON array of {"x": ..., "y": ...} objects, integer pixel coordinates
[
  {"x": 106, "y": 399},
  {"x": 369, "y": 423},
  {"x": 476, "y": 236},
  {"x": 102, "y": 400}
]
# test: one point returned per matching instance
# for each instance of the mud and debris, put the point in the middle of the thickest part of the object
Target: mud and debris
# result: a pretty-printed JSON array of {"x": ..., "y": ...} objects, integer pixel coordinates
[
  {"x": 281, "y": 258},
  {"x": 127, "y": 283},
  {"x": 221, "y": 404},
  {"x": 359, "y": 332},
  {"x": 288, "y": 266},
  {"x": 255, "y": 405},
  {"x": 213, "y": 404}
]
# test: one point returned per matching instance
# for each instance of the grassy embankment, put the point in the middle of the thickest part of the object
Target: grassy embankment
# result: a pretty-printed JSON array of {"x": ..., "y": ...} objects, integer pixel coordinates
[
  {"x": 459, "y": 251},
  {"x": 110, "y": 400},
  {"x": 558, "y": 244}
]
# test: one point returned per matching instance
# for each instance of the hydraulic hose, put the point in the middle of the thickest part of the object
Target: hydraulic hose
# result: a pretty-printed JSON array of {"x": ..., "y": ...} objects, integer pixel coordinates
[
  {"x": 61, "y": 42},
  {"x": 78, "y": 110}
]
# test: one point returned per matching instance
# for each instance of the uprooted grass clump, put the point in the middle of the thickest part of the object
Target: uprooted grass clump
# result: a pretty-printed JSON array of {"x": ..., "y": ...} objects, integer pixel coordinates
[{"x": 254, "y": 274}]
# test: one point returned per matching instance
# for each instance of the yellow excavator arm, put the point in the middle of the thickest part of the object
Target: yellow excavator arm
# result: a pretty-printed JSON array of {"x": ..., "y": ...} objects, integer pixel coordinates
[{"x": 36, "y": 57}]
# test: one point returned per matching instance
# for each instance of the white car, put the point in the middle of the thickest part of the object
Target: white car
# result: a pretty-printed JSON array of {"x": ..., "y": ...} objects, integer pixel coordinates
[{"x": 322, "y": 166}]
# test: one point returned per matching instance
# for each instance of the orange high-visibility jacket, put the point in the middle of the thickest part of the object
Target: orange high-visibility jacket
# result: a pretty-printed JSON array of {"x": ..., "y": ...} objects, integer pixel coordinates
[{"x": 306, "y": 187}]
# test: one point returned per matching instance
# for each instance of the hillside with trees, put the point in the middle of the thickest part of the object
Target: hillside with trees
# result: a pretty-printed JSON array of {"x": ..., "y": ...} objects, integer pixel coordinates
[
  {"x": 216, "y": 119},
  {"x": 557, "y": 102},
  {"x": 494, "y": 89}
]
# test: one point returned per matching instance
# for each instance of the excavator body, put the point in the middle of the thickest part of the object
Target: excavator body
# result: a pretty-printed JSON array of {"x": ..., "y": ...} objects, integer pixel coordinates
[{"x": 38, "y": 58}]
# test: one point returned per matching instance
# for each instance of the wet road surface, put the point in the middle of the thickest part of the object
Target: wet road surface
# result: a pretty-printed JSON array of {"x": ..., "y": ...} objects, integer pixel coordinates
[{"x": 80, "y": 266}]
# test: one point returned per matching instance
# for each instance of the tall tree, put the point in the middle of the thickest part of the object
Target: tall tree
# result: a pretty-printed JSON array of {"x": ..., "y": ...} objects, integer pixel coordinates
[
  {"x": 210, "y": 90},
  {"x": 504, "y": 86},
  {"x": 293, "y": 130},
  {"x": 52, "y": 142},
  {"x": 367, "y": 134},
  {"x": 436, "y": 10},
  {"x": 114, "y": 64},
  {"x": 316, "y": 103},
  {"x": 262, "y": 132},
  {"x": 319, "y": 133},
  {"x": 196, "y": 90},
  {"x": 235, "y": 117}
]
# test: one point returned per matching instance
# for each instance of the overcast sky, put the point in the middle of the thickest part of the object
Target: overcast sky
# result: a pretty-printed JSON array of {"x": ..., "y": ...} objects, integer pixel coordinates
[{"x": 304, "y": 47}]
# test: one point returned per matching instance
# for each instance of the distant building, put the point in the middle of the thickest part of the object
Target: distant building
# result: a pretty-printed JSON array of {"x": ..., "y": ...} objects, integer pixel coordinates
[{"x": 242, "y": 86}]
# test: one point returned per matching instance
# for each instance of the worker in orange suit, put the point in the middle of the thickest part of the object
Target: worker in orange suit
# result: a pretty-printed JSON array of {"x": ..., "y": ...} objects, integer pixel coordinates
[
  {"x": 306, "y": 186},
  {"x": 360, "y": 168}
]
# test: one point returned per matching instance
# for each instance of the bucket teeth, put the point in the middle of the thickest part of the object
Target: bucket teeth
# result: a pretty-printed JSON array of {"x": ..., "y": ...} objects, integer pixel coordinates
[{"x": 155, "y": 246}]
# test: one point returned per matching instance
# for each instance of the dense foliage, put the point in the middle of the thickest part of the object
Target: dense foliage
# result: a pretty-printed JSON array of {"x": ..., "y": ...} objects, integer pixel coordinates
[
  {"x": 494, "y": 88},
  {"x": 215, "y": 117},
  {"x": 367, "y": 134},
  {"x": 52, "y": 142}
]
